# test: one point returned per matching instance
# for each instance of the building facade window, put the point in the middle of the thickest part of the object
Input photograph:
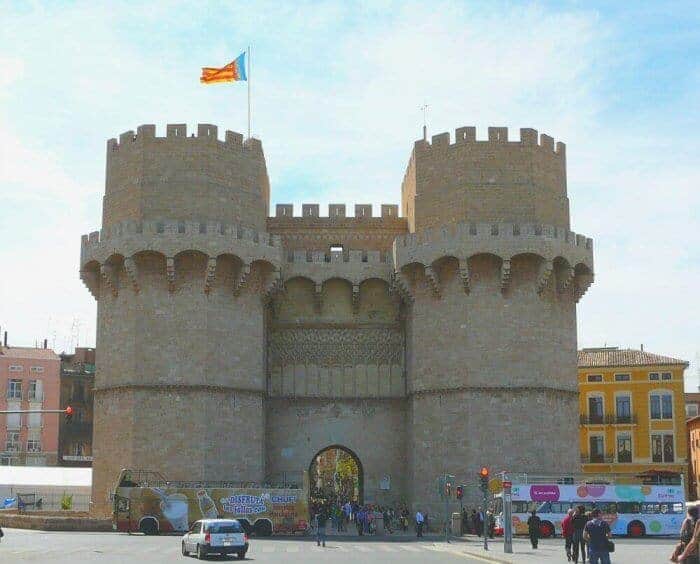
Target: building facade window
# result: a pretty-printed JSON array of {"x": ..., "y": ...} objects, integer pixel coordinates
[
  {"x": 661, "y": 405},
  {"x": 595, "y": 377},
  {"x": 597, "y": 448},
  {"x": 662, "y": 447},
  {"x": 34, "y": 420},
  {"x": 622, "y": 377},
  {"x": 691, "y": 409},
  {"x": 14, "y": 389},
  {"x": 37, "y": 369},
  {"x": 653, "y": 376},
  {"x": 35, "y": 392},
  {"x": 624, "y": 447},
  {"x": 666, "y": 376},
  {"x": 16, "y": 368},
  {"x": 623, "y": 409},
  {"x": 12, "y": 443},
  {"x": 33, "y": 445},
  {"x": 595, "y": 409}
]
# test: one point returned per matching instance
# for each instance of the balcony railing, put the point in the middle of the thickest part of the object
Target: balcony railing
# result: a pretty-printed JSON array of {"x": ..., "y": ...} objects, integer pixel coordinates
[
  {"x": 597, "y": 458},
  {"x": 608, "y": 419},
  {"x": 13, "y": 447},
  {"x": 14, "y": 394}
]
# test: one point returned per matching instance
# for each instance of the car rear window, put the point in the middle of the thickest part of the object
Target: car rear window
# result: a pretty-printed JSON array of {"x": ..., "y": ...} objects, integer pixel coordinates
[{"x": 222, "y": 528}]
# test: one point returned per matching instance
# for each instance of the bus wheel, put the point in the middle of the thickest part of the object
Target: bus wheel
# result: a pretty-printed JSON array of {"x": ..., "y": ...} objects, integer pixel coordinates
[
  {"x": 246, "y": 526},
  {"x": 262, "y": 528},
  {"x": 636, "y": 529},
  {"x": 546, "y": 529},
  {"x": 148, "y": 526}
]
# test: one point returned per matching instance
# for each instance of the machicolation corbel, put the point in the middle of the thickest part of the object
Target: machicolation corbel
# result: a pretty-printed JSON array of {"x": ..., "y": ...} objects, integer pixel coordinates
[
  {"x": 433, "y": 281},
  {"x": 505, "y": 275},
  {"x": 210, "y": 274},
  {"x": 132, "y": 273},
  {"x": 545, "y": 274},
  {"x": 170, "y": 273}
]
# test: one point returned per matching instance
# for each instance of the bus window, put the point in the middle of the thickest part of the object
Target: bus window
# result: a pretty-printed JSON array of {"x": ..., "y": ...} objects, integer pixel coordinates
[
  {"x": 678, "y": 508},
  {"x": 545, "y": 507},
  {"x": 628, "y": 507},
  {"x": 650, "y": 508}
]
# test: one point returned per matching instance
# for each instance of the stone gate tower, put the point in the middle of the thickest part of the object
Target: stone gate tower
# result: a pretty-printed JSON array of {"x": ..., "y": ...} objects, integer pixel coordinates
[{"x": 236, "y": 346}]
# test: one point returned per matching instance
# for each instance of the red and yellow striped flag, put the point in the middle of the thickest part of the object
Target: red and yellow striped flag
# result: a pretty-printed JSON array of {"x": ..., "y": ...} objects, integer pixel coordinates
[{"x": 233, "y": 72}]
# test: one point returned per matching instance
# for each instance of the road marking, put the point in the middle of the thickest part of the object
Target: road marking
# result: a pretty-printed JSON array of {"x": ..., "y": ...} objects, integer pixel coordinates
[
  {"x": 467, "y": 554},
  {"x": 410, "y": 548},
  {"x": 268, "y": 548},
  {"x": 292, "y": 548},
  {"x": 386, "y": 548}
]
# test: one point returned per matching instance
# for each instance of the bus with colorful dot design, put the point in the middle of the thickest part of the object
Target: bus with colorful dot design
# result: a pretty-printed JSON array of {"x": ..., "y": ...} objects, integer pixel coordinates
[{"x": 634, "y": 510}]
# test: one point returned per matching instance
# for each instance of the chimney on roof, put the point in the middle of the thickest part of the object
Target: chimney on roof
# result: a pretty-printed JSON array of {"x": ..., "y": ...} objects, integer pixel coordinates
[
  {"x": 5, "y": 339},
  {"x": 642, "y": 346},
  {"x": 46, "y": 342}
]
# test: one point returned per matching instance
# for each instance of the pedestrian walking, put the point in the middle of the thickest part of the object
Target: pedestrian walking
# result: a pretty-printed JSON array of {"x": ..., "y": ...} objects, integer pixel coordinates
[
  {"x": 691, "y": 552},
  {"x": 321, "y": 522},
  {"x": 533, "y": 528},
  {"x": 420, "y": 520},
  {"x": 360, "y": 517},
  {"x": 1, "y": 534},
  {"x": 491, "y": 524},
  {"x": 567, "y": 531},
  {"x": 597, "y": 534},
  {"x": 578, "y": 522},
  {"x": 686, "y": 535}
]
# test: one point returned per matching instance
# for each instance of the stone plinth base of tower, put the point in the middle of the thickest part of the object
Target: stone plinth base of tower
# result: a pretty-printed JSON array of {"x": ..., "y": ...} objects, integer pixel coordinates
[
  {"x": 511, "y": 429},
  {"x": 185, "y": 433}
]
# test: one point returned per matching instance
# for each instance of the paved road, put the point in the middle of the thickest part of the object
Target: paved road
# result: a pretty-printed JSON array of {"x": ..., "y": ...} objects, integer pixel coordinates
[
  {"x": 60, "y": 548},
  {"x": 113, "y": 548}
]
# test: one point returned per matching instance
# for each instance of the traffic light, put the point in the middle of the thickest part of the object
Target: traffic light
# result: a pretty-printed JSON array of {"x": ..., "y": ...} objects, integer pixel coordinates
[
  {"x": 484, "y": 478},
  {"x": 69, "y": 414},
  {"x": 460, "y": 492}
]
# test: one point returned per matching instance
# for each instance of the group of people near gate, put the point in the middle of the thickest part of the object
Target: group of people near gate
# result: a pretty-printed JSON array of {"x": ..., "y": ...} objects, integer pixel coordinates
[
  {"x": 477, "y": 522},
  {"x": 344, "y": 515}
]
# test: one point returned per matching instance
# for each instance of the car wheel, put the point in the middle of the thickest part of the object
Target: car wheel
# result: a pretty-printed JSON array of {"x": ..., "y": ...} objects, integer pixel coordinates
[
  {"x": 201, "y": 555},
  {"x": 184, "y": 550}
]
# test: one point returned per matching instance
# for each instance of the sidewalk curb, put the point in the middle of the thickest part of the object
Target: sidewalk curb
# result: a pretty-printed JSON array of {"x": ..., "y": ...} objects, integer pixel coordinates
[{"x": 479, "y": 556}]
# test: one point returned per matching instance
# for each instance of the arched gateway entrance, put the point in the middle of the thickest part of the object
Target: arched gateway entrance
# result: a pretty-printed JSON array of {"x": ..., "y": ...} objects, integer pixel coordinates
[{"x": 335, "y": 475}]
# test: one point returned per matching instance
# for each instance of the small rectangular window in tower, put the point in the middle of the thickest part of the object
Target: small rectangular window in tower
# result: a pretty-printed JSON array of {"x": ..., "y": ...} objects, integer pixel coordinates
[
  {"x": 336, "y": 248},
  {"x": 595, "y": 377}
]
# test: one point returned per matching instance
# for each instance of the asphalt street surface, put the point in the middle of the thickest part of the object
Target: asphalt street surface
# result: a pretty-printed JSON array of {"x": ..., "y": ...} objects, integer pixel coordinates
[{"x": 59, "y": 548}]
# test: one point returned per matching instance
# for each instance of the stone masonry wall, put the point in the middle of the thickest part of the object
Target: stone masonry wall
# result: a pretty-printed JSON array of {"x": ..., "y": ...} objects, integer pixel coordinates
[
  {"x": 185, "y": 178},
  {"x": 375, "y": 430}
]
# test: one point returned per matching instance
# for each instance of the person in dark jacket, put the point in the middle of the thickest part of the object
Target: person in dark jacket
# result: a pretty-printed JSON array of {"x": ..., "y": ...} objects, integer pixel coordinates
[
  {"x": 533, "y": 528},
  {"x": 578, "y": 522},
  {"x": 321, "y": 522}
]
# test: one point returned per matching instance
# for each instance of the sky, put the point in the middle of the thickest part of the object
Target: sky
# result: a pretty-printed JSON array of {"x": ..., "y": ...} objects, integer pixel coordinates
[{"x": 336, "y": 92}]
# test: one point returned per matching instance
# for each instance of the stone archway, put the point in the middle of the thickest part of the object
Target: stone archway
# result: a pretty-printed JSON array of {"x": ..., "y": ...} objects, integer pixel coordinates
[{"x": 336, "y": 473}]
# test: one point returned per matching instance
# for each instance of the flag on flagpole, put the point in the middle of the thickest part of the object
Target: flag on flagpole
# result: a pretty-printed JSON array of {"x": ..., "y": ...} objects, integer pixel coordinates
[{"x": 233, "y": 72}]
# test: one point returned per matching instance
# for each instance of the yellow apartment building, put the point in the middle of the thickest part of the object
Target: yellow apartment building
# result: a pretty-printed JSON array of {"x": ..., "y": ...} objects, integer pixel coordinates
[{"x": 632, "y": 412}]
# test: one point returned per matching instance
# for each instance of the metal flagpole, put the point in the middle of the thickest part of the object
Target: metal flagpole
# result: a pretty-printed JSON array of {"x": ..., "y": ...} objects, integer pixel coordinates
[{"x": 248, "y": 91}]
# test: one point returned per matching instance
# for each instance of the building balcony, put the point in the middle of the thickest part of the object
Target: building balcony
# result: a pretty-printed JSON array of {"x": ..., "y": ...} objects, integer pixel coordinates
[
  {"x": 13, "y": 447},
  {"x": 597, "y": 459},
  {"x": 13, "y": 395},
  {"x": 608, "y": 419}
]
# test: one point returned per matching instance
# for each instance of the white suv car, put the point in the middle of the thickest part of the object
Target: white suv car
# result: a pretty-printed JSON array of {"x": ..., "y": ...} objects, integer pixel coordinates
[{"x": 215, "y": 536}]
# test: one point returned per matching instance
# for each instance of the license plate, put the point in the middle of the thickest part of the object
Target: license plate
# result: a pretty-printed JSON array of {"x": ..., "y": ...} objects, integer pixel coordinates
[{"x": 228, "y": 543}]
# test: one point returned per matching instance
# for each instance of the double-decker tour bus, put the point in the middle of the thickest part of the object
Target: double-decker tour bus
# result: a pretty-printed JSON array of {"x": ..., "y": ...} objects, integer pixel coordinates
[
  {"x": 147, "y": 502},
  {"x": 630, "y": 506}
]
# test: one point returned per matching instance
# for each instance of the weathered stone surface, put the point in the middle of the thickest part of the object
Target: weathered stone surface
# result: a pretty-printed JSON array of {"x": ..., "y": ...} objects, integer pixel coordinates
[{"x": 236, "y": 346}]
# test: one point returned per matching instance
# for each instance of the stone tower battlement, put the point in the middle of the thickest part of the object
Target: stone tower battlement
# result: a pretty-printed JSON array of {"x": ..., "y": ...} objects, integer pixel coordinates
[
  {"x": 494, "y": 180},
  {"x": 196, "y": 178},
  {"x": 378, "y": 333}
]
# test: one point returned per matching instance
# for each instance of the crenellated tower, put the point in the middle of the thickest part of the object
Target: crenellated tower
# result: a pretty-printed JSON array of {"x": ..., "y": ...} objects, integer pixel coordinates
[
  {"x": 180, "y": 271},
  {"x": 492, "y": 274}
]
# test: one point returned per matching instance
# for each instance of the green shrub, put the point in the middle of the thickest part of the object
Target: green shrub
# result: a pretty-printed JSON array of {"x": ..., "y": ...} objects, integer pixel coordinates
[{"x": 66, "y": 502}]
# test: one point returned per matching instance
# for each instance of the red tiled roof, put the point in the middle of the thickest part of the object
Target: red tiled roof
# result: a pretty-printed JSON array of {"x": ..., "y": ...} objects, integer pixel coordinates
[
  {"x": 28, "y": 353},
  {"x": 613, "y": 356}
]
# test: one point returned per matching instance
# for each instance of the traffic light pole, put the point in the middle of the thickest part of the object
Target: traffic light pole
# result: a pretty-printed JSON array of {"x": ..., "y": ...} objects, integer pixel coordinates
[{"x": 485, "y": 525}]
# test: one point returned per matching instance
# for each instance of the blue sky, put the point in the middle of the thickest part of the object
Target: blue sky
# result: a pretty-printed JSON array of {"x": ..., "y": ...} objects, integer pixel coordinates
[{"x": 336, "y": 93}]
